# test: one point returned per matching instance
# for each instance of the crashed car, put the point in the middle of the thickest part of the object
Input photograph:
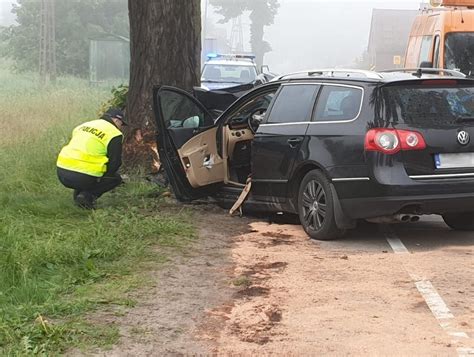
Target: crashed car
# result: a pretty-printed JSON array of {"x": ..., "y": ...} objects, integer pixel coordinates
[
  {"x": 216, "y": 101},
  {"x": 331, "y": 146}
]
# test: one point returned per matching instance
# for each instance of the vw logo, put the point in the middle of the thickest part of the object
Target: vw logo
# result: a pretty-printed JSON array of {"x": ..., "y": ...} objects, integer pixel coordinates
[{"x": 463, "y": 137}]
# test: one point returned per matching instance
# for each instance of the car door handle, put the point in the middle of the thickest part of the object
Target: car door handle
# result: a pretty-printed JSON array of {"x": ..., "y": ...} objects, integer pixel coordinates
[{"x": 293, "y": 142}]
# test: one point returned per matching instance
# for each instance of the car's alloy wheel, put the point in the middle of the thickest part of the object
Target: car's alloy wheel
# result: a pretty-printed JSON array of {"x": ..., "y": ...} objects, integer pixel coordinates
[{"x": 316, "y": 207}]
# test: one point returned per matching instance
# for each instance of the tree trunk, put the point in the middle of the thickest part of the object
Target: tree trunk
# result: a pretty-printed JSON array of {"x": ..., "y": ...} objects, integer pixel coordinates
[
  {"x": 165, "y": 48},
  {"x": 259, "y": 46},
  {"x": 256, "y": 38}
]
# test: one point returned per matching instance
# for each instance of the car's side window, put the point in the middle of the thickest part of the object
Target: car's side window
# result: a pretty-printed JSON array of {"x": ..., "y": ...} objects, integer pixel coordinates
[
  {"x": 425, "y": 49},
  {"x": 180, "y": 111},
  {"x": 294, "y": 104},
  {"x": 337, "y": 103},
  {"x": 259, "y": 103}
]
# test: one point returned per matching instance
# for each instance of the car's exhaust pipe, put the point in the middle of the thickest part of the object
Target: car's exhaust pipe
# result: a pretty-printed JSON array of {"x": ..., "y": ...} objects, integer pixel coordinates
[
  {"x": 402, "y": 218},
  {"x": 396, "y": 218}
]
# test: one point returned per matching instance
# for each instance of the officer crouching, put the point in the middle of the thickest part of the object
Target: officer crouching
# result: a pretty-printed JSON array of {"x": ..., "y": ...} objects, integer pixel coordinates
[{"x": 89, "y": 163}]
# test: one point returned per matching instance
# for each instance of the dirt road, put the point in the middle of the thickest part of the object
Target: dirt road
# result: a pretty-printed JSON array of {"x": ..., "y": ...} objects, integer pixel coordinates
[{"x": 254, "y": 287}]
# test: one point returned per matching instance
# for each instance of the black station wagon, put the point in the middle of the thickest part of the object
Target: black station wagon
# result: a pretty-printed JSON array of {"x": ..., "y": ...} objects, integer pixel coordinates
[{"x": 333, "y": 146}]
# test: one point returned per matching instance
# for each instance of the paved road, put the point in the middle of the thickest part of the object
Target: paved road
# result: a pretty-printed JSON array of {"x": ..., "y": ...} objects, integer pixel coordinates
[
  {"x": 439, "y": 261},
  {"x": 405, "y": 289}
]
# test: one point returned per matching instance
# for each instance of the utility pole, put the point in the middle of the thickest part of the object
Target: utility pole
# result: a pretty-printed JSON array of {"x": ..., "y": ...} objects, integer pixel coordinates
[
  {"x": 204, "y": 27},
  {"x": 237, "y": 36},
  {"x": 47, "y": 54},
  {"x": 204, "y": 32}
]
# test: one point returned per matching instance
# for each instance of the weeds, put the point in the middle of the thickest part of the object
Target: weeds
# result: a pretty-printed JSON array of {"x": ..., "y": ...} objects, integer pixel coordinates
[{"x": 243, "y": 280}]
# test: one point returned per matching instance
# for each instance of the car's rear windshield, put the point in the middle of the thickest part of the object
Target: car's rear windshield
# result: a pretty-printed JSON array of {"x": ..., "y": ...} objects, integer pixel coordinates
[{"x": 433, "y": 105}]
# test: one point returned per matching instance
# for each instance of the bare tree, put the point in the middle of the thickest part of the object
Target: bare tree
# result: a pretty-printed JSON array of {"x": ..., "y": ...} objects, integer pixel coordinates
[
  {"x": 262, "y": 13},
  {"x": 165, "y": 46}
]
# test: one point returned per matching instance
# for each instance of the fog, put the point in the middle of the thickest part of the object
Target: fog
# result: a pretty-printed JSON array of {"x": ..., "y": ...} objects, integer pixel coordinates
[
  {"x": 305, "y": 34},
  {"x": 314, "y": 34},
  {"x": 319, "y": 33},
  {"x": 6, "y": 17}
]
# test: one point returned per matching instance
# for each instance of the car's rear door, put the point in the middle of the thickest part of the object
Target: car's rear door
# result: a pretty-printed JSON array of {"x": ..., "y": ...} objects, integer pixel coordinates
[
  {"x": 281, "y": 139},
  {"x": 187, "y": 143},
  {"x": 442, "y": 111}
]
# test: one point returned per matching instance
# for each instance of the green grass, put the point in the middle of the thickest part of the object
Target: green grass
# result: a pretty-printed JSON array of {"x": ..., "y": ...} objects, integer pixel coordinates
[{"x": 58, "y": 262}]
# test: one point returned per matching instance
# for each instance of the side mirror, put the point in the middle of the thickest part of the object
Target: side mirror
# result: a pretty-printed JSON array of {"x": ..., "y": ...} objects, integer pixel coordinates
[
  {"x": 260, "y": 80},
  {"x": 426, "y": 64},
  {"x": 265, "y": 69}
]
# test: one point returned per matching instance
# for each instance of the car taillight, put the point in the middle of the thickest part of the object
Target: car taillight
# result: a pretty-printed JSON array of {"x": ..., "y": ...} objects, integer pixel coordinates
[
  {"x": 411, "y": 140},
  {"x": 391, "y": 141}
]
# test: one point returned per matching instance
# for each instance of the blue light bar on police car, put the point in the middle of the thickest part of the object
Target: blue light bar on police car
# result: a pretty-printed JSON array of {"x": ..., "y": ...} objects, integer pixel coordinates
[{"x": 231, "y": 56}]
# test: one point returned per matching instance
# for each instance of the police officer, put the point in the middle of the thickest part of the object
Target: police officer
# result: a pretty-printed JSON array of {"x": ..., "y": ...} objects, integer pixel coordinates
[{"x": 89, "y": 163}]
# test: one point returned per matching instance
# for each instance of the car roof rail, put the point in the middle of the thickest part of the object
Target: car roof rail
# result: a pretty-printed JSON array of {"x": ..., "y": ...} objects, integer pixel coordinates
[
  {"x": 418, "y": 72},
  {"x": 334, "y": 72}
]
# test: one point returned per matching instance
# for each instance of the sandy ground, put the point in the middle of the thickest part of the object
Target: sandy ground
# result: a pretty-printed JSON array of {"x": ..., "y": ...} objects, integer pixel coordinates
[{"x": 251, "y": 287}]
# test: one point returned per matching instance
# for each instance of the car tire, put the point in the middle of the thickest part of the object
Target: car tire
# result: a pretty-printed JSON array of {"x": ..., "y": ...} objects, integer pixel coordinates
[
  {"x": 316, "y": 207},
  {"x": 460, "y": 221}
]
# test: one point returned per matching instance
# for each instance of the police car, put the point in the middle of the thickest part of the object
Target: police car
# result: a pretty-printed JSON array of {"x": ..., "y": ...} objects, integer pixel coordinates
[{"x": 230, "y": 70}]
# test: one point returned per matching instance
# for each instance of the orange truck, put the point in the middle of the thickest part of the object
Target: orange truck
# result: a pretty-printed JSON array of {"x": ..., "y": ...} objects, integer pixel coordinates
[{"x": 443, "y": 37}]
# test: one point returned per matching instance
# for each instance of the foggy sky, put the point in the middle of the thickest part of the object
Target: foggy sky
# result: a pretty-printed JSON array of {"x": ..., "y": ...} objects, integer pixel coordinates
[
  {"x": 6, "y": 17},
  {"x": 312, "y": 33},
  {"x": 318, "y": 33}
]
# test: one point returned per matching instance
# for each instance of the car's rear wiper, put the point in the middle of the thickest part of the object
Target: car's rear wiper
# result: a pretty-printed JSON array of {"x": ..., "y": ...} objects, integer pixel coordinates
[{"x": 211, "y": 81}]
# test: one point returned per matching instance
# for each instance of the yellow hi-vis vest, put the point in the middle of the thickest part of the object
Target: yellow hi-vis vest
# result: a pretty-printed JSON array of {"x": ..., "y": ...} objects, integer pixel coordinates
[{"x": 87, "y": 151}]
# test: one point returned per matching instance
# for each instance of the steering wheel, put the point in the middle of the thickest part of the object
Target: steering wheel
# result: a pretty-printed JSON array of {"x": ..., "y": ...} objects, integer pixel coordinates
[{"x": 255, "y": 119}]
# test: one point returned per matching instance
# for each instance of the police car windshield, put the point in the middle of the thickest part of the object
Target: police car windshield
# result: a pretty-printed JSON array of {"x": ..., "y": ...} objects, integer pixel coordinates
[
  {"x": 228, "y": 73},
  {"x": 460, "y": 52}
]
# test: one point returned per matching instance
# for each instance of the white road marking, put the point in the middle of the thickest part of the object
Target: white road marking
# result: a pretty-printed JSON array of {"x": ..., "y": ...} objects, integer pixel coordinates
[
  {"x": 434, "y": 301},
  {"x": 465, "y": 352},
  {"x": 397, "y": 246}
]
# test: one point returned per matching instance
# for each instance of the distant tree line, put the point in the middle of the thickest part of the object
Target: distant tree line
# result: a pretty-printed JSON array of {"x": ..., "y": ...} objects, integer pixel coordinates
[{"x": 76, "y": 22}]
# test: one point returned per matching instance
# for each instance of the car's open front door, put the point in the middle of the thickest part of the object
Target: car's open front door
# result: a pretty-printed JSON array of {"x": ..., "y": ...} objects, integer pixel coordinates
[{"x": 187, "y": 143}]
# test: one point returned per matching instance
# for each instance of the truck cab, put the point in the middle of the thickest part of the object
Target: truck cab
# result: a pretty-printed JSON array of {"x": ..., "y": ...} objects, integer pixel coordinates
[{"x": 443, "y": 37}]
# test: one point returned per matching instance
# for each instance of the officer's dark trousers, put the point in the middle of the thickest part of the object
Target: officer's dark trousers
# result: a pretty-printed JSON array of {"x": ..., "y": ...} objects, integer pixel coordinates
[{"x": 96, "y": 186}]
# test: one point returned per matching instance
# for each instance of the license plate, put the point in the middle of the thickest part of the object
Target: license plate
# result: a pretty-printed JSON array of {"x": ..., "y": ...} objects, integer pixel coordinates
[{"x": 454, "y": 161}]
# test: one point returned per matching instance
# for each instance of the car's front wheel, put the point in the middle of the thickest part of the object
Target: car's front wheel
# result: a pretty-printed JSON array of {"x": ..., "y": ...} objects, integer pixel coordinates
[
  {"x": 316, "y": 207},
  {"x": 460, "y": 221}
]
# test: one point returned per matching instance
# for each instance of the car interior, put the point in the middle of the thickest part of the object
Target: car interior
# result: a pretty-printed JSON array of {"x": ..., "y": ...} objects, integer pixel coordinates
[
  {"x": 245, "y": 76},
  {"x": 211, "y": 154},
  {"x": 237, "y": 135}
]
